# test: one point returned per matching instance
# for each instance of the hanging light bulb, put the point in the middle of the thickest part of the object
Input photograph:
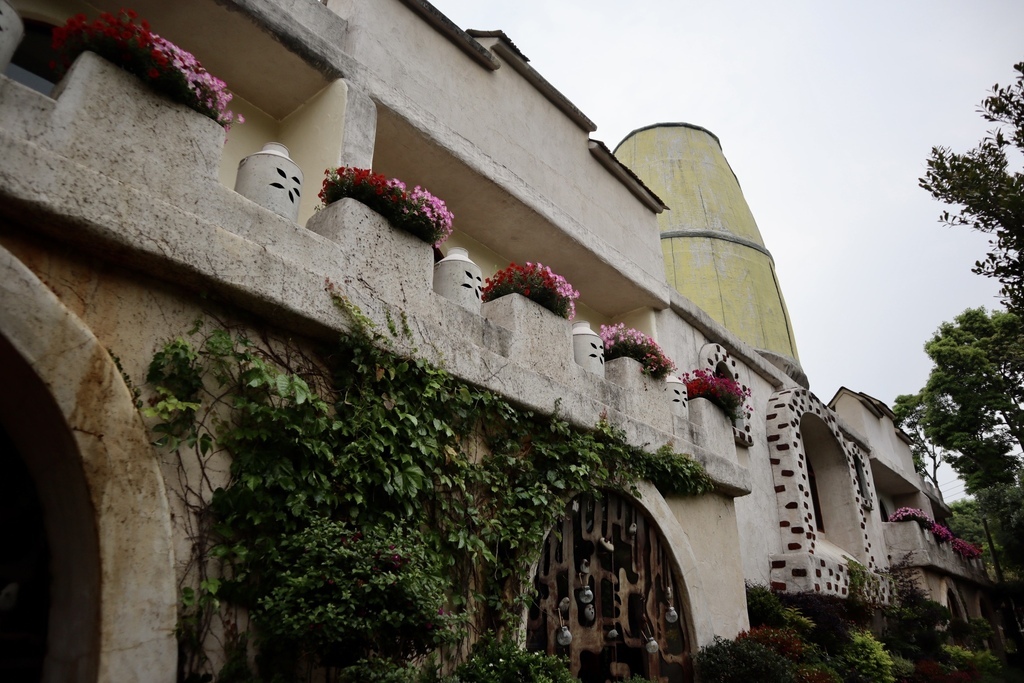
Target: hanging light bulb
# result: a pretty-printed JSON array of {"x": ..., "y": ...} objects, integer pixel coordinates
[
  {"x": 586, "y": 595},
  {"x": 564, "y": 637},
  {"x": 613, "y": 634},
  {"x": 607, "y": 545},
  {"x": 589, "y": 614},
  {"x": 651, "y": 646},
  {"x": 671, "y": 616},
  {"x": 632, "y": 529}
]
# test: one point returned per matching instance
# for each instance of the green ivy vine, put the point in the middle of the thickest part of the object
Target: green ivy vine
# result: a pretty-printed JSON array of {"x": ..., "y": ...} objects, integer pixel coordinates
[{"x": 378, "y": 509}]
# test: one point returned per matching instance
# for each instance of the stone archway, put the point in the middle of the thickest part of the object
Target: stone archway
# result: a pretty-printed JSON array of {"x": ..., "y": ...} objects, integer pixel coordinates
[
  {"x": 607, "y": 579},
  {"x": 114, "y": 601}
]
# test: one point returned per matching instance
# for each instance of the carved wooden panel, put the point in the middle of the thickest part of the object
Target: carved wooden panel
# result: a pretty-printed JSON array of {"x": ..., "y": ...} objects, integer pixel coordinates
[{"x": 608, "y": 546}]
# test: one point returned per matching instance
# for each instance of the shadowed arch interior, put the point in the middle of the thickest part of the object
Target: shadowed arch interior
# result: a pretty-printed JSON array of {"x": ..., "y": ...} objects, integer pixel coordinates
[{"x": 45, "y": 444}]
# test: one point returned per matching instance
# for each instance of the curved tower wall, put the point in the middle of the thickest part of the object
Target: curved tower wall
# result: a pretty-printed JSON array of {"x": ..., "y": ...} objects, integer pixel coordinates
[{"x": 714, "y": 254}]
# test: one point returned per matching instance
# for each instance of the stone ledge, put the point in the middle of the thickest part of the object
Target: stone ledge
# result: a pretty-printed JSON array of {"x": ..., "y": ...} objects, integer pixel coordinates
[{"x": 253, "y": 259}]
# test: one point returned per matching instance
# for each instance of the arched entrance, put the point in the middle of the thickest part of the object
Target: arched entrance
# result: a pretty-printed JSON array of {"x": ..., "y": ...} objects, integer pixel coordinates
[
  {"x": 74, "y": 425},
  {"x": 24, "y": 571},
  {"x": 605, "y": 577}
]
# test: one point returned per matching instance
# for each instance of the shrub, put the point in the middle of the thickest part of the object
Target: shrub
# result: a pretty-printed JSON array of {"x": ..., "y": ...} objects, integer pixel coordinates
[
  {"x": 962, "y": 659},
  {"x": 416, "y": 211},
  {"x": 828, "y": 613},
  {"x": 867, "y": 658},
  {"x": 503, "y": 661},
  {"x": 741, "y": 661},
  {"x": 818, "y": 673},
  {"x": 536, "y": 282},
  {"x": 902, "y": 668},
  {"x": 764, "y": 607},
  {"x": 625, "y": 342},
  {"x": 782, "y": 641}
]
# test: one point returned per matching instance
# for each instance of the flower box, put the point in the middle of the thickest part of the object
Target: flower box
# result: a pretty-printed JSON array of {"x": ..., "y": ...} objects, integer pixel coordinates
[
  {"x": 540, "y": 340},
  {"x": 389, "y": 264},
  {"x": 712, "y": 428},
  {"x": 110, "y": 121},
  {"x": 536, "y": 282},
  {"x": 642, "y": 397}
]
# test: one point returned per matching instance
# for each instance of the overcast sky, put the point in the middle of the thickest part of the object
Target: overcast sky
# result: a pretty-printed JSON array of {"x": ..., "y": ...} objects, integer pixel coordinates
[{"x": 827, "y": 112}]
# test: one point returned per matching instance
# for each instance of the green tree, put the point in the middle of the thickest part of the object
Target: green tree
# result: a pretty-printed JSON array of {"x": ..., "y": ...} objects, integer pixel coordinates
[
  {"x": 971, "y": 406},
  {"x": 990, "y": 197}
]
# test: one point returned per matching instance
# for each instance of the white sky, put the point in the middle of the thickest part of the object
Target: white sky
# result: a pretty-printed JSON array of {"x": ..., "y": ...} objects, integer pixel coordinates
[{"x": 827, "y": 112}]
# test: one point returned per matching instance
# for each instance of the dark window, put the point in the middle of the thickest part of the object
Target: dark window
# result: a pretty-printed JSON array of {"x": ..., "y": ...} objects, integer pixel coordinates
[{"x": 30, "y": 65}]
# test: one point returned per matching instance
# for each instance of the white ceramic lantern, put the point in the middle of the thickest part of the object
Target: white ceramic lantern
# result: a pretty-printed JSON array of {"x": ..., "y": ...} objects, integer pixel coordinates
[
  {"x": 675, "y": 392},
  {"x": 458, "y": 279},
  {"x": 11, "y": 32},
  {"x": 587, "y": 348},
  {"x": 271, "y": 179}
]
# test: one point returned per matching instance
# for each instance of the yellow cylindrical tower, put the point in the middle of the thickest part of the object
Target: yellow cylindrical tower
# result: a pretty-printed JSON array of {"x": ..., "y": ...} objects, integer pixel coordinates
[{"x": 714, "y": 254}]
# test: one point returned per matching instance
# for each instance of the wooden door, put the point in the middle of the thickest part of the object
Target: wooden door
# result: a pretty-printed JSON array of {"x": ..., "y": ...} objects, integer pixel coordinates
[{"x": 626, "y": 628}]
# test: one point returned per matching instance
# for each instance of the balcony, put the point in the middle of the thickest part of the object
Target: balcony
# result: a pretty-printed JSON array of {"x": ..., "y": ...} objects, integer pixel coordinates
[{"x": 918, "y": 545}]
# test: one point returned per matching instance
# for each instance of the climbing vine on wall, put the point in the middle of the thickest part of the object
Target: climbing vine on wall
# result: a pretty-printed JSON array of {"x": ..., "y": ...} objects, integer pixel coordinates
[{"x": 377, "y": 508}]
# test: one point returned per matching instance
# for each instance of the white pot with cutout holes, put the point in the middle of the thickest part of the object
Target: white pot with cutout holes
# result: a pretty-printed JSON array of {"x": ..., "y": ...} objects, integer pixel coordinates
[
  {"x": 271, "y": 179},
  {"x": 675, "y": 394},
  {"x": 11, "y": 33},
  {"x": 458, "y": 279},
  {"x": 587, "y": 348}
]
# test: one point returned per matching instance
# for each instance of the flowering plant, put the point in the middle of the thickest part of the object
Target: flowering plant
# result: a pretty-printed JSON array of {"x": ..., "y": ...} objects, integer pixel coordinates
[
  {"x": 724, "y": 392},
  {"x": 907, "y": 514},
  {"x": 966, "y": 550},
  {"x": 625, "y": 342},
  {"x": 536, "y": 282},
  {"x": 132, "y": 46},
  {"x": 416, "y": 211},
  {"x": 941, "y": 532}
]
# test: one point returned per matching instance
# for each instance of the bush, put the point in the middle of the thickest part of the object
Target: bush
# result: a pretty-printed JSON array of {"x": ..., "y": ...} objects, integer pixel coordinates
[
  {"x": 962, "y": 659},
  {"x": 867, "y": 660},
  {"x": 819, "y": 673},
  {"x": 503, "y": 661},
  {"x": 828, "y": 613},
  {"x": 902, "y": 668},
  {"x": 741, "y": 661},
  {"x": 764, "y": 607},
  {"x": 782, "y": 641}
]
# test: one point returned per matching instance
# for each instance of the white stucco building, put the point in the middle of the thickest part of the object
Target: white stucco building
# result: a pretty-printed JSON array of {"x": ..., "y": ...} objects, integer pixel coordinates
[{"x": 119, "y": 225}]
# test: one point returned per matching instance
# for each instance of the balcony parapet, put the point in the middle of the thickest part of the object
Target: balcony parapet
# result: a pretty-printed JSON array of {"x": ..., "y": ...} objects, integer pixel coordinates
[
  {"x": 126, "y": 176},
  {"x": 909, "y": 539}
]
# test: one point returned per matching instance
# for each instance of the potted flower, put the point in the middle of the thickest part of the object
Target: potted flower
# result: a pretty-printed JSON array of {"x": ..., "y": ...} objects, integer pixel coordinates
[
  {"x": 724, "y": 392},
  {"x": 536, "y": 282},
  {"x": 906, "y": 514},
  {"x": 159, "y": 62},
  {"x": 415, "y": 211},
  {"x": 966, "y": 550},
  {"x": 625, "y": 342}
]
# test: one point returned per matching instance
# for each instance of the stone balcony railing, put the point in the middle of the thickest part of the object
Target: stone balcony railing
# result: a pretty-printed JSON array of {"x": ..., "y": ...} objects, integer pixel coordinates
[
  {"x": 918, "y": 545},
  {"x": 123, "y": 174}
]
